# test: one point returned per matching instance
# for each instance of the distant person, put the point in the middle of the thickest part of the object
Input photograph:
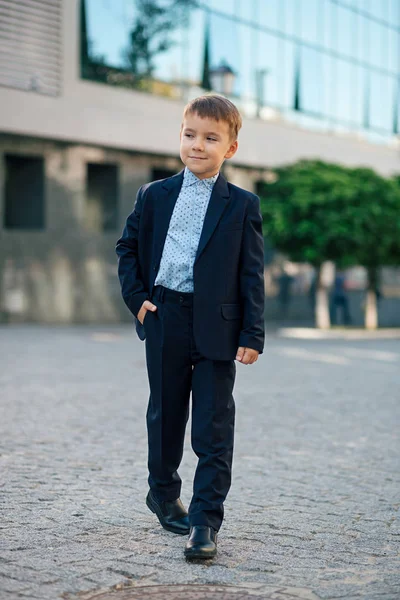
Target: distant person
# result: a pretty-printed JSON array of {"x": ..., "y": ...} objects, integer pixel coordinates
[
  {"x": 340, "y": 300},
  {"x": 191, "y": 267}
]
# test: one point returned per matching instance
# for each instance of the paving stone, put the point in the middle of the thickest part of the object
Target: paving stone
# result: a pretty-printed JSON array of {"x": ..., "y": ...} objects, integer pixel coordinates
[{"x": 313, "y": 510}]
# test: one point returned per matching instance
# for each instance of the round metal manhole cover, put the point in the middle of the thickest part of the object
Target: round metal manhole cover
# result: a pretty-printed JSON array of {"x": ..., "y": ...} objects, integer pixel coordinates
[{"x": 179, "y": 592}]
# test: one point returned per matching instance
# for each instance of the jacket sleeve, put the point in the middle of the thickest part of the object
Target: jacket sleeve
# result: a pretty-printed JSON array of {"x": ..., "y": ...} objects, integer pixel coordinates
[
  {"x": 132, "y": 287},
  {"x": 252, "y": 289}
]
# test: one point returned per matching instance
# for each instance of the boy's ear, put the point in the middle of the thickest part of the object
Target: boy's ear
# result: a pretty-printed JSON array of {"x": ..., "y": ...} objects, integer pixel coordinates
[{"x": 232, "y": 149}]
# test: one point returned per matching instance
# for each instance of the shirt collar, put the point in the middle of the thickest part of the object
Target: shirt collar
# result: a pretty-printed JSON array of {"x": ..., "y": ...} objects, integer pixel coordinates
[{"x": 190, "y": 178}]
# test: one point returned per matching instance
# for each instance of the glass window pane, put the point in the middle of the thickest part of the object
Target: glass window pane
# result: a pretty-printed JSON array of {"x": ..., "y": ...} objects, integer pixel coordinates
[
  {"x": 292, "y": 17},
  {"x": 287, "y": 76},
  {"x": 169, "y": 60},
  {"x": 312, "y": 81},
  {"x": 357, "y": 95},
  {"x": 393, "y": 51},
  {"x": 396, "y": 106},
  {"x": 365, "y": 37},
  {"x": 108, "y": 29},
  {"x": 358, "y": 47},
  {"x": 382, "y": 99},
  {"x": 344, "y": 91},
  {"x": 270, "y": 13},
  {"x": 193, "y": 47},
  {"x": 228, "y": 7},
  {"x": 101, "y": 208},
  {"x": 24, "y": 190},
  {"x": 386, "y": 10},
  {"x": 309, "y": 16},
  {"x": 378, "y": 45},
  {"x": 394, "y": 12},
  {"x": 330, "y": 25},
  {"x": 245, "y": 9},
  {"x": 168, "y": 66},
  {"x": 364, "y": 5},
  {"x": 324, "y": 84},
  {"x": 330, "y": 87},
  {"x": 345, "y": 22},
  {"x": 245, "y": 62},
  {"x": 378, "y": 9},
  {"x": 226, "y": 44},
  {"x": 269, "y": 66}
]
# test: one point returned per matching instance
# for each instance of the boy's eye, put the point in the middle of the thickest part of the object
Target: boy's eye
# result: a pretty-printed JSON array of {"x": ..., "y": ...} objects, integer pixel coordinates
[
  {"x": 188, "y": 135},
  {"x": 212, "y": 139}
]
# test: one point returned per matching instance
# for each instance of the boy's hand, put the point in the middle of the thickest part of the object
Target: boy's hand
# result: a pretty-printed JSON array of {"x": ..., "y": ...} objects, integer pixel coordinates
[
  {"x": 147, "y": 305},
  {"x": 247, "y": 356}
]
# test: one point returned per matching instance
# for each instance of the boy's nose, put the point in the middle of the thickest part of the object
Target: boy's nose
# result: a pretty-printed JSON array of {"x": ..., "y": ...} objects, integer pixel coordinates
[{"x": 197, "y": 145}]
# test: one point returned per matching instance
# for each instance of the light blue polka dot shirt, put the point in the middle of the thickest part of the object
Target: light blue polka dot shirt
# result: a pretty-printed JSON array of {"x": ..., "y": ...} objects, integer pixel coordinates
[{"x": 179, "y": 253}]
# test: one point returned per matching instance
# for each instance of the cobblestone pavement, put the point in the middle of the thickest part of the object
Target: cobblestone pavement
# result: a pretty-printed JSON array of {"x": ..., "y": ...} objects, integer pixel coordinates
[{"x": 313, "y": 510}]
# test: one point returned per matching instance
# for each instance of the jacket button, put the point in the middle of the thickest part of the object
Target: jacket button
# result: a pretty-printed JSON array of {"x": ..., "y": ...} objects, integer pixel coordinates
[{"x": 154, "y": 268}]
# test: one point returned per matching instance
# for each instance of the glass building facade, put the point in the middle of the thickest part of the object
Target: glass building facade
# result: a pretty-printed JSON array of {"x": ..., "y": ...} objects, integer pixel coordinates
[{"x": 324, "y": 64}]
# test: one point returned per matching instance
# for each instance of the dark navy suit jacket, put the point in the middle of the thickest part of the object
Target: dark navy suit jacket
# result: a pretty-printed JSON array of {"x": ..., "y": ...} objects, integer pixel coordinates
[{"x": 228, "y": 272}]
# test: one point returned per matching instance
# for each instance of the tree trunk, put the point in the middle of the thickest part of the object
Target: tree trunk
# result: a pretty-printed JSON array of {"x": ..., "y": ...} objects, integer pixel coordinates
[
  {"x": 371, "y": 311},
  {"x": 322, "y": 317},
  {"x": 371, "y": 306}
]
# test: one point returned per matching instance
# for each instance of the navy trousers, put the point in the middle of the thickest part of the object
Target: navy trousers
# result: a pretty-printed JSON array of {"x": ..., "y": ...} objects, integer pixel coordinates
[{"x": 175, "y": 369}]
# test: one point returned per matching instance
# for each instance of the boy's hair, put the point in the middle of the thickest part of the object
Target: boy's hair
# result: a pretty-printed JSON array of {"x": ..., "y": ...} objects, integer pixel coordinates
[{"x": 214, "y": 106}]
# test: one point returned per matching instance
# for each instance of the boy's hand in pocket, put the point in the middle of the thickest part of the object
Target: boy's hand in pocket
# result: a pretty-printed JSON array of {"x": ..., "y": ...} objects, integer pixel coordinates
[{"x": 147, "y": 305}]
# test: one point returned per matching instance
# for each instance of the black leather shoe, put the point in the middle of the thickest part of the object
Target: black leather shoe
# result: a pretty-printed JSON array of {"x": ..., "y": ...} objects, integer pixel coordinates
[
  {"x": 202, "y": 542},
  {"x": 171, "y": 514}
]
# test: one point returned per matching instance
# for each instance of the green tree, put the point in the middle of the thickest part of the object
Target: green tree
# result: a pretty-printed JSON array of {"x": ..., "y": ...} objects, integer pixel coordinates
[
  {"x": 373, "y": 222},
  {"x": 302, "y": 211},
  {"x": 316, "y": 212},
  {"x": 376, "y": 230}
]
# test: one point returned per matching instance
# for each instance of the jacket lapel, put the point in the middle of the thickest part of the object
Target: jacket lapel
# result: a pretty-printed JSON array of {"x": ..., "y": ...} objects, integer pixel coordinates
[{"x": 216, "y": 206}]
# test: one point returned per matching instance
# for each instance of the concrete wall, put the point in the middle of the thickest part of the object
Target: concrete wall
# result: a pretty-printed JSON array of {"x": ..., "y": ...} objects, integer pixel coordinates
[
  {"x": 66, "y": 273},
  {"x": 111, "y": 117}
]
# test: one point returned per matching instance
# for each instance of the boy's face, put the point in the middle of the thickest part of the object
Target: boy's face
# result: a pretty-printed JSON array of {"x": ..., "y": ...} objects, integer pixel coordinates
[{"x": 205, "y": 144}]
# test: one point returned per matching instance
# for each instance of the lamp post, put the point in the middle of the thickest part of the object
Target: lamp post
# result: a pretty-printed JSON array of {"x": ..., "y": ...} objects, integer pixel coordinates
[
  {"x": 260, "y": 88},
  {"x": 222, "y": 79}
]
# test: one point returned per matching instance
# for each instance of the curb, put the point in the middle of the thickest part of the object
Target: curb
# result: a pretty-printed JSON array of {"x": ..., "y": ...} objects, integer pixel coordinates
[{"x": 309, "y": 333}]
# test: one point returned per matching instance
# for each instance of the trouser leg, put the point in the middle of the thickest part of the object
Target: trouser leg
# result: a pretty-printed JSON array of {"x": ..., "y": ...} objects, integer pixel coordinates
[
  {"x": 169, "y": 371},
  {"x": 213, "y": 418}
]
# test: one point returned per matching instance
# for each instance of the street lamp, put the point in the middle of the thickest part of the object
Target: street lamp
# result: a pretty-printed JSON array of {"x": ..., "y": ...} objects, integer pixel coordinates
[
  {"x": 260, "y": 88},
  {"x": 222, "y": 79}
]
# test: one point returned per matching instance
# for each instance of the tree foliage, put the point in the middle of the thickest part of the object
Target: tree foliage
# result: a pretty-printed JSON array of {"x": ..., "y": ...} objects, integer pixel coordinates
[
  {"x": 316, "y": 211},
  {"x": 152, "y": 31}
]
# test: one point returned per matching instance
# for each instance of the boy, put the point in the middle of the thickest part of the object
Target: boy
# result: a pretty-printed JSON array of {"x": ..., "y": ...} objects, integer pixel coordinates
[{"x": 191, "y": 267}]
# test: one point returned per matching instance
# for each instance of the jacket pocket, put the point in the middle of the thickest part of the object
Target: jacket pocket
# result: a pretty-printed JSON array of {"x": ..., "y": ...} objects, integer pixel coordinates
[
  {"x": 144, "y": 318},
  {"x": 230, "y": 226},
  {"x": 231, "y": 311}
]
